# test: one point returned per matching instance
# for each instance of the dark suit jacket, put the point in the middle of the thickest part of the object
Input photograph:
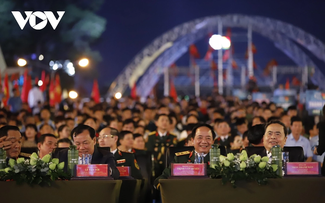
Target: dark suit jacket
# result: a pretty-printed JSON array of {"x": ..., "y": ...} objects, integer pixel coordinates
[
  {"x": 100, "y": 156},
  {"x": 296, "y": 154}
]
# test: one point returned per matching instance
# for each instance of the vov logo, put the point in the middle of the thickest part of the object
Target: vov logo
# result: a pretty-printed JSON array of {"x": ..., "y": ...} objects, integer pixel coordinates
[{"x": 31, "y": 16}]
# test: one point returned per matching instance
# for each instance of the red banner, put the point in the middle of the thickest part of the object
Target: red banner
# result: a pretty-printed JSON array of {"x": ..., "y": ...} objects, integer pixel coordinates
[
  {"x": 188, "y": 169},
  {"x": 124, "y": 170},
  {"x": 92, "y": 170},
  {"x": 303, "y": 168}
]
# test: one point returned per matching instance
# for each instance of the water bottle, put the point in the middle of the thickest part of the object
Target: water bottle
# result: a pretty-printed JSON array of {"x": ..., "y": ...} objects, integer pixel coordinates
[
  {"x": 214, "y": 155},
  {"x": 73, "y": 156},
  {"x": 3, "y": 156},
  {"x": 277, "y": 158}
]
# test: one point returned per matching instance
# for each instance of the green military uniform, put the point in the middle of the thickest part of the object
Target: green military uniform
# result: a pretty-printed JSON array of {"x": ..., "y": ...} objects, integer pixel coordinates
[
  {"x": 157, "y": 145},
  {"x": 182, "y": 157},
  {"x": 127, "y": 159}
]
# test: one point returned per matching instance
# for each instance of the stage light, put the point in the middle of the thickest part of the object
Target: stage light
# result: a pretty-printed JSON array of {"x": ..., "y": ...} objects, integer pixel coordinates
[
  {"x": 21, "y": 62},
  {"x": 73, "y": 94},
  {"x": 118, "y": 95},
  {"x": 83, "y": 62}
]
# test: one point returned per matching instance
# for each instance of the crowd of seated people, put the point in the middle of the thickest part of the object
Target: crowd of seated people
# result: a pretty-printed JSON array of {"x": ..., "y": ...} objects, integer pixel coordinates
[{"x": 132, "y": 130}]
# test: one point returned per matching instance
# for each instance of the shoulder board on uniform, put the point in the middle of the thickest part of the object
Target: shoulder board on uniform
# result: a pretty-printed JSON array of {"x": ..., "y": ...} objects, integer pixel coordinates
[
  {"x": 152, "y": 133},
  {"x": 24, "y": 154},
  {"x": 172, "y": 134},
  {"x": 182, "y": 153}
]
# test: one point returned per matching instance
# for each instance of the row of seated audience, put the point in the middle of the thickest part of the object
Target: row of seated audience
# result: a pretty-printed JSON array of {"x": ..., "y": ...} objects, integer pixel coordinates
[{"x": 120, "y": 136}]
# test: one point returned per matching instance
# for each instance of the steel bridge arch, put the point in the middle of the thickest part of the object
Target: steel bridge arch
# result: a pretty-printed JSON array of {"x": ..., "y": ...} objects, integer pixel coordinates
[{"x": 147, "y": 66}]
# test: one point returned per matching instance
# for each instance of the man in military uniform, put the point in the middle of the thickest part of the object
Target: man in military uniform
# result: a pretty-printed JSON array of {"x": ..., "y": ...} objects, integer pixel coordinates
[
  {"x": 108, "y": 138},
  {"x": 222, "y": 129},
  {"x": 158, "y": 141},
  {"x": 203, "y": 139}
]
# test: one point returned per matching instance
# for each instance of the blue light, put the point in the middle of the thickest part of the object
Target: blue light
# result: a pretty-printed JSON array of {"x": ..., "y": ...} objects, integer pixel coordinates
[{"x": 33, "y": 56}]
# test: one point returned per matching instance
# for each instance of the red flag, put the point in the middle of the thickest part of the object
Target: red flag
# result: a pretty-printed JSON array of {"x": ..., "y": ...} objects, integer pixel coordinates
[
  {"x": 172, "y": 90},
  {"x": 16, "y": 86},
  {"x": 194, "y": 52},
  {"x": 14, "y": 77},
  {"x": 295, "y": 81},
  {"x": 254, "y": 50},
  {"x": 43, "y": 78},
  {"x": 26, "y": 87},
  {"x": 226, "y": 55},
  {"x": 254, "y": 65},
  {"x": 58, "y": 92},
  {"x": 134, "y": 91},
  {"x": 287, "y": 85},
  {"x": 173, "y": 69},
  {"x": 214, "y": 66},
  {"x": 95, "y": 92},
  {"x": 214, "y": 78},
  {"x": 269, "y": 66},
  {"x": 228, "y": 33},
  {"x": 52, "y": 93},
  {"x": 224, "y": 75},
  {"x": 234, "y": 64},
  {"x": 6, "y": 90},
  {"x": 208, "y": 55}
]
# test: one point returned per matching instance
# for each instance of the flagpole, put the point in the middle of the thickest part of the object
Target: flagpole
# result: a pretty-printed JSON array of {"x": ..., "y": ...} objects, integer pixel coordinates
[
  {"x": 197, "y": 80},
  {"x": 166, "y": 82},
  {"x": 220, "y": 69},
  {"x": 274, "y": 74},
  {"x": 243, "y": 77},
  {"x": 229, "y": 73},
  {"x": 250, "y": 52}
]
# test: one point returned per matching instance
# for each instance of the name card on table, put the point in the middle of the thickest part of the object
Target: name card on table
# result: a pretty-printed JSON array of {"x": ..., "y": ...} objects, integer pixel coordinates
[
  {"x": 92, "y": 170},
  {"x": 124, "y": 170},
  {"x": 188, "y": 169},
  {"x": 303, "y": 168}
]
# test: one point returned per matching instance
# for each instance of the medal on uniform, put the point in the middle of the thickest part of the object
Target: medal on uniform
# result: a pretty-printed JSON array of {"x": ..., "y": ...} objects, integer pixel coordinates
[
  {"x": 156, "y": 144},
  {"x": 167, "y": 144},
  {"x": 120, "y": 161},
  {"x": 175, "y": 141},
  {"x": 163, "y": 150},
  {"x": 156, "y": 149},
  {"x": 136, "y": 164}
]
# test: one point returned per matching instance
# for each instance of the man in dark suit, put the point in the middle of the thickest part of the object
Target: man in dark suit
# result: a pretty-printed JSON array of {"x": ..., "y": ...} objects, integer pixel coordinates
[
  {"x": 203, "y": 139},
  {"x": 84, "y": 137},
  {"x": 275, "y": 134},
  {"x": 108, "y": 138}
]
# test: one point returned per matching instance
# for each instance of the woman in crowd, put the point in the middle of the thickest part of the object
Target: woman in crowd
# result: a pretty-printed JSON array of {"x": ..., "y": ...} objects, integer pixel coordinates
[
  {"x": 64, "y": 132},
  {"x": 30, "y": 138}
]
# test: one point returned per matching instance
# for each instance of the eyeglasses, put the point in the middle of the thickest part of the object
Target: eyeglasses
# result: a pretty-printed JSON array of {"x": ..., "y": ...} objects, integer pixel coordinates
[{"x": 105, "y": 136}]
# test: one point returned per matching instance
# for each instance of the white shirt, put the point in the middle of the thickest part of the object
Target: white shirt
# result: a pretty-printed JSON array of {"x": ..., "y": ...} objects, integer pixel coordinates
[
  {"x": 302, "y": 142},
  {"x": 200, "y": 154},
  {"x": 80, "y": 160},
  {"x": 35, "y": 95},
  {"x": 161, "y": 134},
  {"x": 113, "y": 152}
]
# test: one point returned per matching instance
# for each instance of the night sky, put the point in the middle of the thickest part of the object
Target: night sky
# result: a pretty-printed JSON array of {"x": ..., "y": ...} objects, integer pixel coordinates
[{"x": 133, "y": 24}]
